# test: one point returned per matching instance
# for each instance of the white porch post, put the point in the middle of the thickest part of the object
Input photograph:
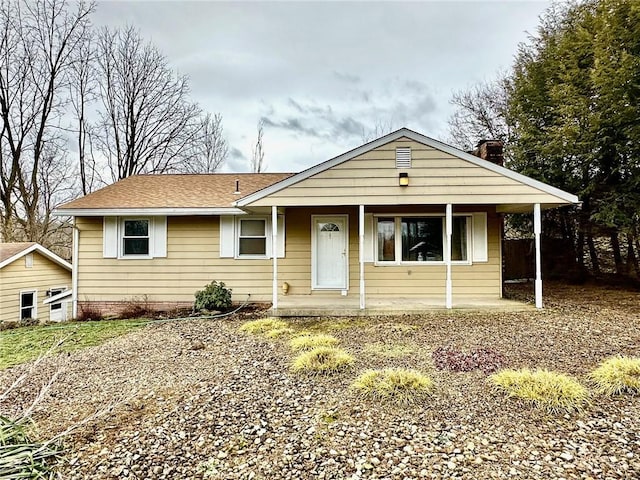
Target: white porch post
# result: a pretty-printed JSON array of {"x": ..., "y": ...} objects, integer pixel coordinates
[
  {"x": 361, "y": 254},
  {"x": 537, "y": 230},
  {"x": 447, "y": 255},
  {"x": 274, "y": 255},
  {"x": 74, "y": 270}
]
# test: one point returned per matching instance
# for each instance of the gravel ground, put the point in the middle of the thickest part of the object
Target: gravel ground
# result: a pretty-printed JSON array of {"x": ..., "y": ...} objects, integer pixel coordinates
[{"x": 234, "y": 410}]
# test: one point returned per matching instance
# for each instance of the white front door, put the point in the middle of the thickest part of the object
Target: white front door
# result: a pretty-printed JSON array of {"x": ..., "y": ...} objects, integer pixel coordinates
[{"x": 330, "y": 252}]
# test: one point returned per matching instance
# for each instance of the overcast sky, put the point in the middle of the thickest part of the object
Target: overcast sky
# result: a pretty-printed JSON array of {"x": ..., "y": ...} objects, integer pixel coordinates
[{"x": 323, "y": 75}]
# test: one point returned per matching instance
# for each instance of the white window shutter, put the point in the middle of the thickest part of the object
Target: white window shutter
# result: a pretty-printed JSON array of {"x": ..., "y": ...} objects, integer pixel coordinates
[
  {"x": 368, "y": 253},
  {"x": 480, "y": 253},
  {"x": 281, "y": 230},
  {"x": 159, "y": 237},
  {"x": 110, "y": 237},
  {"x": 227, "y": 236}
]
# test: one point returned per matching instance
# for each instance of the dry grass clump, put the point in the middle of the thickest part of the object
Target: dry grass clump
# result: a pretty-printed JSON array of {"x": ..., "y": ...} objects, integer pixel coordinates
[
  {"x": 550, "y": 391},
  {"x": 279, "y": 332},
  {"x": 403, "y": 385},
  {"x": 309, "y": 342},
  {"x": 323, "y": 360},
  {"x": 617, "y": 375},
  {"x": 263, "y": 325}
]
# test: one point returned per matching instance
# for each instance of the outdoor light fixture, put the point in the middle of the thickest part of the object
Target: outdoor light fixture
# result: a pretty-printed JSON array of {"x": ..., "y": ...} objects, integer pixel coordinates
[{"x": 403, "y": 179}]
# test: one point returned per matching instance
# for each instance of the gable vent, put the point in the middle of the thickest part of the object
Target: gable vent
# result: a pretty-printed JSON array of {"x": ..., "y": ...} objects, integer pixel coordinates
[{"x": 403, "y": 157}]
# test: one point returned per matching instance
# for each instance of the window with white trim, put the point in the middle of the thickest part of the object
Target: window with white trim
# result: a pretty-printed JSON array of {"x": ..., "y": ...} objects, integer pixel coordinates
[
  {"x": 252, "y": 237},
  {"x": 135, "y": 237},
  {"x": 52, "y": 293},
  {"x": 418, "y": 239},
  {"x": 28, "y": 304}
]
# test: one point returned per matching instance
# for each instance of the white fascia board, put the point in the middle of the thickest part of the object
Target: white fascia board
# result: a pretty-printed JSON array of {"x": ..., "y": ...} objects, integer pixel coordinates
[
  {"x": 40, "y": 249},
  {"x": 60, "y": 296},
  {"x": 405, "y": 132},
  {"x": 169, "y": 212}
]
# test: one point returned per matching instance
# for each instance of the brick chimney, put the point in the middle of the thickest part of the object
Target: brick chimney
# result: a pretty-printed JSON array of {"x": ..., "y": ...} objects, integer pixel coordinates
[{"x": 491, "y": 150}]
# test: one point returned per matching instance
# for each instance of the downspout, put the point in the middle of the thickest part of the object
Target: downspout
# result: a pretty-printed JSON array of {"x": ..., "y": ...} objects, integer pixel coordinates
[{"x": 74, "y": 270}]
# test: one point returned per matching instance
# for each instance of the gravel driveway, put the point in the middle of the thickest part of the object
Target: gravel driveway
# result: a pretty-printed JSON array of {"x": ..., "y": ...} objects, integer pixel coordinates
[{"x": 233, "y": 409}]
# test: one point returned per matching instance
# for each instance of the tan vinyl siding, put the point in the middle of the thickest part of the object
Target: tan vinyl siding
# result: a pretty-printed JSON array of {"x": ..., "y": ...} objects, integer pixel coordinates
[
  {"x": 192, "y": 261},
  {"x": 435, "y": 178},
  {"x": 16, "y": 277}
]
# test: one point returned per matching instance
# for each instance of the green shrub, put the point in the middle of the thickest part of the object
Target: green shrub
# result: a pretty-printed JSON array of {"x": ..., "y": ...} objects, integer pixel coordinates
[
  {"x": 617, "y": 375},
  {"x": 309, "y": 342},
  {"x": 263, "y": 325},
  {"x": 400, "y": 384},
  {"x": 20, "y": 457},
  {"x": 547, "y": 390},
  {"x": 324, "y": 360},
  {"x": 215, "y": 296}
]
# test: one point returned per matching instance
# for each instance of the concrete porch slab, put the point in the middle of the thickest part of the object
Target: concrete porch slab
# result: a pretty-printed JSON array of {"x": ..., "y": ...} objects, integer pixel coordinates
[{"x": 316, "y": 306}]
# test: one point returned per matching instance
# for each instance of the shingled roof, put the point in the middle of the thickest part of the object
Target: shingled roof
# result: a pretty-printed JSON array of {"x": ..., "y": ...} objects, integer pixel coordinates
[
  {"x": 8, "y": 250},
  {"x": 216, "y": 190}
]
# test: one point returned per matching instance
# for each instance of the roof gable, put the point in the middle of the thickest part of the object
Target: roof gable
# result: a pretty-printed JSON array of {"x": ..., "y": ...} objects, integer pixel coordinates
[
  {"x": 10, "y": 252},
  {"x": 405, "y": 134}
]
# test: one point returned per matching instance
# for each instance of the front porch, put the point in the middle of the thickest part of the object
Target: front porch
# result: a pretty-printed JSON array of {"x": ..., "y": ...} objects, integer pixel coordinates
[{"x": 349, "y": 306}]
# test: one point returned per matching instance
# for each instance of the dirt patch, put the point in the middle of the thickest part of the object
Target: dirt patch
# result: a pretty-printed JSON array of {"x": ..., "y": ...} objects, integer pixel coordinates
[{"x": 233, "y": 409}]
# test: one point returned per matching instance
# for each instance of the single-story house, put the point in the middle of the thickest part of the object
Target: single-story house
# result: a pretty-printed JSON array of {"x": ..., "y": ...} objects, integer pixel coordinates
[
  {"x": 34, "y": 283},
  {"x": 404, "y": 218}
]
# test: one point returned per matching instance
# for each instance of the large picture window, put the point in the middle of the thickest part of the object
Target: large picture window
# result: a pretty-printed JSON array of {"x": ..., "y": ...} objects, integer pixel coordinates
[
  {"x": 135, "y": 237},
  {"x": 252, "y": 237},
  {"x": 416, "y": 239}
]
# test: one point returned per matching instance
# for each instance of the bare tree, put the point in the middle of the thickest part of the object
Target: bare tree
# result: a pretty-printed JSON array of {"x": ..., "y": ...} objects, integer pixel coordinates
[
  {"x": 148, "y": 125},
  {"x": 210, "y": 147},
  {"x": 379, "y": 129},
  {"x": 38, "y": 41},
  {"x": 82, "y": 92},
  {"x": 481, "y": 113},
  {"x": 257, "y": 152}
]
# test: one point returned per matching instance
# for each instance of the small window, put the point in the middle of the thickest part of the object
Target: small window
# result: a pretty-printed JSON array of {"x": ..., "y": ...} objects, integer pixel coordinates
[
  {"x": 386, "y": 240},
  {"x": 52, "y": 293},
  {"x": 459, "y": 240},
  {"x": 27, "y": 305},
  {"x": 28, "y": 260},
  {"x": 135, "y": 238},
  {"x": 403, "y": 157},
  {"x": 252, "y": 238}
]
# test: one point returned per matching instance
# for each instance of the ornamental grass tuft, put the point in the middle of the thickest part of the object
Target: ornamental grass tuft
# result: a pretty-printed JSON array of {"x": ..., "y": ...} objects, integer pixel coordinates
[
  {"x": 309, "y": 342},
  {"x": 263, "y": 325},
  {"x": 279, "y": 332},
  {"x": 550, "y": 391},
  {"x": 322, "y": 360},
  {"x": 405, "y": 386},
  {"x": 617, "y": 375},
  {"x": 20, "y": 457}
]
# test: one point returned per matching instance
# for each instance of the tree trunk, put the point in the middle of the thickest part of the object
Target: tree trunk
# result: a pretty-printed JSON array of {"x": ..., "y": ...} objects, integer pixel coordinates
[
  {"x": 580, "y": 251},
  {"x": 632, "y": 259},
  {"x": 617, "y": 255},
  {"x": 593, "y": 254}
]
